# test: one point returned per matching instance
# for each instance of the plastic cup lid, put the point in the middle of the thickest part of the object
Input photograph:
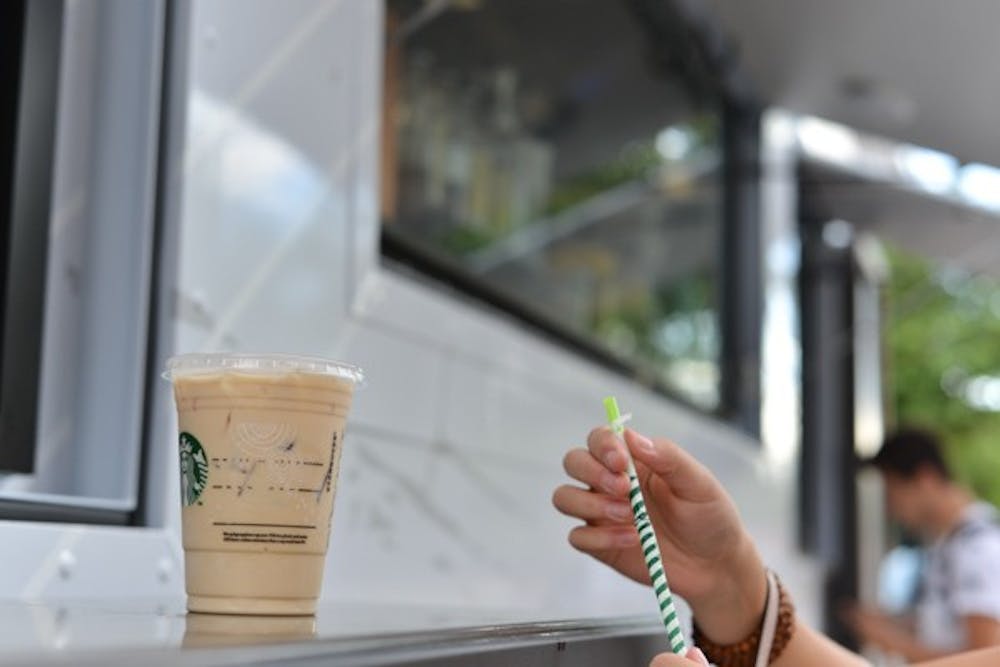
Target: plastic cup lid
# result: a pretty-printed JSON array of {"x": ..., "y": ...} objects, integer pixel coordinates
[{"x": 202, "y": 363}]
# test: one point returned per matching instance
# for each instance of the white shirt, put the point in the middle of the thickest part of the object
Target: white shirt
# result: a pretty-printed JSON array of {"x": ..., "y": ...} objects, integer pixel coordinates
[{"x": 961, "y": 578}]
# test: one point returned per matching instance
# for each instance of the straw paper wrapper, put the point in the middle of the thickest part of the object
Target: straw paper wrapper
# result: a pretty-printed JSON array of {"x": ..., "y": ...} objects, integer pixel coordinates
[{"x": 647, "y": 539}]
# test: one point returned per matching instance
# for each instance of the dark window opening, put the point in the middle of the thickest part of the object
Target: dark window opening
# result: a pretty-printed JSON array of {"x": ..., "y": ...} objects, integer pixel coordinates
[
  {"x": 30, "y": 36},
  {"x": 548, "y": 158}
]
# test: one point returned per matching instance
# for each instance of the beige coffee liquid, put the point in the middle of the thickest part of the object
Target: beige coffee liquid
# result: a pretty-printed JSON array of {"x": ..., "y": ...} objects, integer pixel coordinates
[
  {"x": 260, "y": 453},
  {"x": 225, "y": 630}
]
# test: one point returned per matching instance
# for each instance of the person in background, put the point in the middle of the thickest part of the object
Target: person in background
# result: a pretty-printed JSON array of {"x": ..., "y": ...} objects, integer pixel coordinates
[
  {"x": 958, "y": 602},
  {"x": 710, "y": 558}
]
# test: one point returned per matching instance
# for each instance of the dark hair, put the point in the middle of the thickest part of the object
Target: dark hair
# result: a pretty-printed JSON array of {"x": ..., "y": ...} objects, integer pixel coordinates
[{"x": 909, "y": 450}]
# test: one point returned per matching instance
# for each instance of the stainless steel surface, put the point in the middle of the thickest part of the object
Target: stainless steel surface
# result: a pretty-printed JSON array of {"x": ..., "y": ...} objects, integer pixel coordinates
[{"x": 155, "y": 632}]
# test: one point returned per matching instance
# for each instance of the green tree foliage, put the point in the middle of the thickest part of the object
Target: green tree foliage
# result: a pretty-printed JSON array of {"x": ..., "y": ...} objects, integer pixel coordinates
[{"x": 943, "y": 346}]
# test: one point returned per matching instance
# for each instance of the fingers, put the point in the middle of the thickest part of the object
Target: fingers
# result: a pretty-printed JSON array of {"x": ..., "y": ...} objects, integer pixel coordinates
[
  {"x": 590, "y": 539},
  {"x": 694, "y": 656},
  {"x": 589, "y": 506},
  {"x": 607, "y": 448},
  {"x": 663, "y": 457},
  {"x": 582, "y": 466},
  {"x": 687, "y": 477}
]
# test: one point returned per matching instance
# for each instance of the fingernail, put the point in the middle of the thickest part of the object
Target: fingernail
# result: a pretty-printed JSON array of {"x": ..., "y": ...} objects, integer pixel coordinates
[
  {"x": 612, "y": 483},
  {"x": 628, "y": 539},
  {"x": 618, "y": 512},
  {"x": 696, "y": 654},
  {"x": 612, "y": 460},
  {"x": 643, "y": 443}
]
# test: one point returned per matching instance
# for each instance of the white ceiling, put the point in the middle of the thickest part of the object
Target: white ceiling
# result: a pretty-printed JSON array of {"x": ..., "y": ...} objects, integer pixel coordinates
[
  {"x": 924, "y": 225},
  {"x": 923, "y": 71}
]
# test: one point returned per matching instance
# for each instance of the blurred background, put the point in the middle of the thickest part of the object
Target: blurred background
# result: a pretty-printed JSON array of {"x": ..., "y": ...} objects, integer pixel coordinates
[{"x": 770, "y": 228}]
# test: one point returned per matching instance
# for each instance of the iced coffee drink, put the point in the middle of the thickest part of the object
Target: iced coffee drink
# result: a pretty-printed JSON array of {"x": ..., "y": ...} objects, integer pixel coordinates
[{"x": 260, "y": 440}]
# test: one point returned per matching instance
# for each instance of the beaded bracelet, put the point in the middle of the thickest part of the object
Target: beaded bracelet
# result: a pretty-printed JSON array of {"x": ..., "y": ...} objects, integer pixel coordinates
[{"x": 777, "y": 627}]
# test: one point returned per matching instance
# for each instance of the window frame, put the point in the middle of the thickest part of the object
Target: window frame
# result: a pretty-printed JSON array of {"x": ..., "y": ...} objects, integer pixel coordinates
[{"x": 112, "y": 329}]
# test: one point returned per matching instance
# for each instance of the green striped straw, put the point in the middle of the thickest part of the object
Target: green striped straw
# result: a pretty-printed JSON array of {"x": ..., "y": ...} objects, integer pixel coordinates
[{"x": 647, "y": 538}]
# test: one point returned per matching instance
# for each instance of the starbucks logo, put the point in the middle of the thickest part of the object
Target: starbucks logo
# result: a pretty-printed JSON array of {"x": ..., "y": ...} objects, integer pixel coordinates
[
  {"x": 260, "y": 438},
  {"x": 194, "y": 469}
]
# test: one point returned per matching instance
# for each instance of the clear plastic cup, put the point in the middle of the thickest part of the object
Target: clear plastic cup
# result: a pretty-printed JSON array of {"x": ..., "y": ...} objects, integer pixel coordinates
[
  {"x": 226, "y": 630},
  {"x": 260, "y": 442}
]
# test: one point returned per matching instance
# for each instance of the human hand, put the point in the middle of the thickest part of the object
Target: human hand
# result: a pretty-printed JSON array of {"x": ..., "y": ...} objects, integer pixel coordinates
[
  {"x": 875, "y": 628},
  {"x": 694, "y": 656},
  {"x": 707, "y": 554}
]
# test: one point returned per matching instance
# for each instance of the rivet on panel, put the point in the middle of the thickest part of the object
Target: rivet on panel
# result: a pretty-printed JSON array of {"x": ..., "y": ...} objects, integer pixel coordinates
[
  {"x": 164, "y": 569},
  {"x": 66, "y": 563}
]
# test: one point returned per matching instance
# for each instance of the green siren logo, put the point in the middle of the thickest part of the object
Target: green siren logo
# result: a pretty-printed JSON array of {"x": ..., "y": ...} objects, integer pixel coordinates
[{"x": 194, "y": 469}]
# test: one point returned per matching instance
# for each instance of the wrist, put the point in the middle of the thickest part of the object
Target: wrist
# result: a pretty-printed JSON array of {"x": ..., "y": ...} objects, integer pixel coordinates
[
  {"x": 766, "y": 644},
  {"x": 734, "y": 607}
]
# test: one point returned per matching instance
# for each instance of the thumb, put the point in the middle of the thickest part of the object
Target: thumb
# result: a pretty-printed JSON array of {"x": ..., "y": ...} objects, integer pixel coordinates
[
  {"x": 694, "y": 656},
  {"x": 686, "y": 477},
  {"x": 694, "y": 653}
]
